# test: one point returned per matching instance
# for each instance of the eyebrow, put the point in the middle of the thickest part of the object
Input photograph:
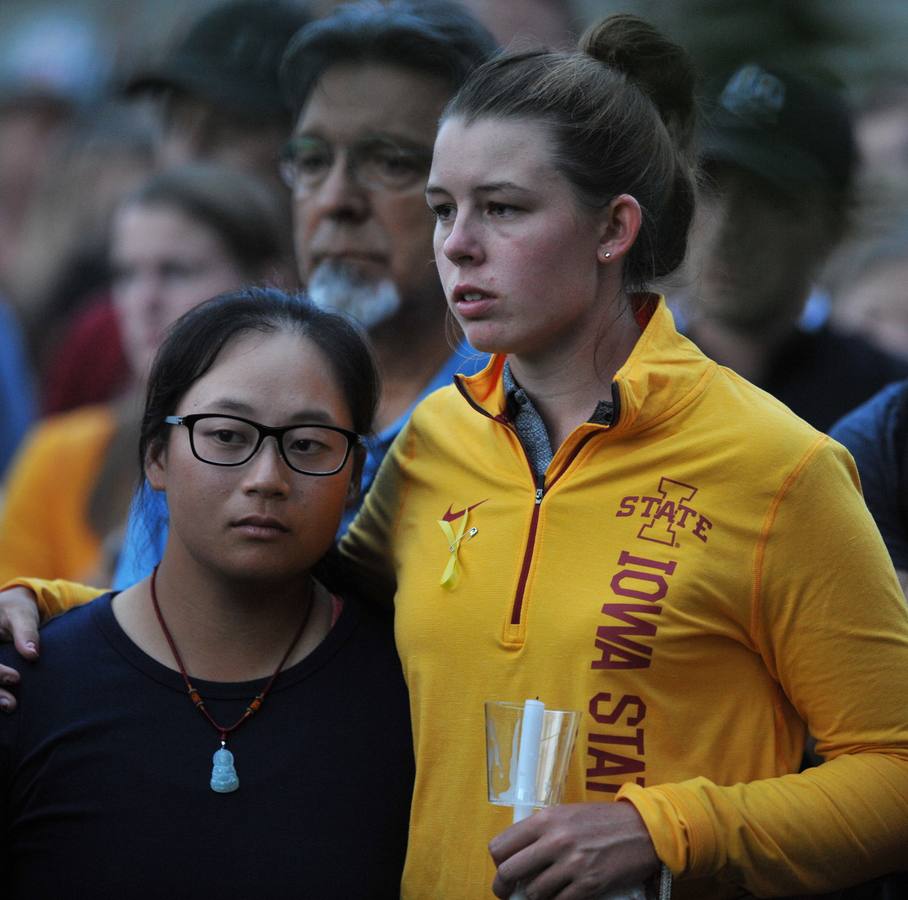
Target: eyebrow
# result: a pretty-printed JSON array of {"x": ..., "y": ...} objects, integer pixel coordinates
[
  {"x": 489, "y": 188},
  {"x": 307, "y": 414}
]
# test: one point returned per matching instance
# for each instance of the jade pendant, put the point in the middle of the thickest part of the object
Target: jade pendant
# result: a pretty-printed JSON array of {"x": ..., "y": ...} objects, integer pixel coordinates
[{"x": 224, "y": 779}]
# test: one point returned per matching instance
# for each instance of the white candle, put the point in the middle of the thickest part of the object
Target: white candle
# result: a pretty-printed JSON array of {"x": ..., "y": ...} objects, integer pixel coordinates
[
  {"x": 527, "y": 764},
  {"x": 528, "y": 758}
]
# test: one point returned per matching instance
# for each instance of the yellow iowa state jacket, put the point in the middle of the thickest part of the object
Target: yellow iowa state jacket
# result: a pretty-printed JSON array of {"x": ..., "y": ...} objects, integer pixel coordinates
[{"x": 702, "y": 580}]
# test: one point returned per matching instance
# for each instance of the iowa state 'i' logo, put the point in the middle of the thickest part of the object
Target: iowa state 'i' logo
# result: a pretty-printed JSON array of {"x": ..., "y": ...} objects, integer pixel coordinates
[{"x": 666, "y": 511}]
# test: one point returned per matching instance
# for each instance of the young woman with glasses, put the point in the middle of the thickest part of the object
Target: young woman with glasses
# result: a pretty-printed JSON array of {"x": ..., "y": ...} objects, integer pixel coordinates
[{"x": 227, "y": 727}]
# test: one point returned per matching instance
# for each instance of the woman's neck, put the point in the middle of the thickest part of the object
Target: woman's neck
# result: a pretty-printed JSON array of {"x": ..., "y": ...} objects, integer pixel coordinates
[
  {"x": 224, "y": 630},
  {"x": 566, "y": 383}
]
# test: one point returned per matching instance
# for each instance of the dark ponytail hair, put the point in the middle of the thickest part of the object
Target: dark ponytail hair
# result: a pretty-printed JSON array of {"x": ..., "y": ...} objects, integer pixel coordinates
[
  {"x": 197, "y": 338},
  {"x": 622, "y": 115}
]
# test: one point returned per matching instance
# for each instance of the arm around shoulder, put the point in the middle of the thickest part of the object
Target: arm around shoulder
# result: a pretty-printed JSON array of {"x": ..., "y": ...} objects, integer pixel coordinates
[
  {"x": 367, "y": 549},
  {"x": 50, "y": 597}
]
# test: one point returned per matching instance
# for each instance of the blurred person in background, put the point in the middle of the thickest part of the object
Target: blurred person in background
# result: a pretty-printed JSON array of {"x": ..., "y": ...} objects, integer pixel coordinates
[
  {"x": 17, "y": 395},
  {"x": 881, "y": 129},
  {"x": 216, "y": 96},
  {"x": 53, "y": 64},
  {"x": 870, "y": 297},
  {"x": 368, "y": 83},
  {"x": 50, "y": 67},
  {"x": 518, "y": 24},
  {"x": 779, "y": 158},
  {"x": 217, "y": 89},
  {"x": 60, "y": 273},
  {"x": 869, "y": 284},
  {"x": 876, "y": 433},
  {"x": 184, "y": 236}
]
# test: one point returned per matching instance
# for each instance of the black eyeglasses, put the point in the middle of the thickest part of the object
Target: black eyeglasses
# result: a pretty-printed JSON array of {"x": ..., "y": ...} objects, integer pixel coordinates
[
  {"x": 232, "y": 440},
  {"x": 374, "y": 163}
]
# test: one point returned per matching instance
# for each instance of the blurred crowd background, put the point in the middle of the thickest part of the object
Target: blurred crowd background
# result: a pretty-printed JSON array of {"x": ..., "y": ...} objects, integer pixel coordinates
[{"x": 97, "y": 254}]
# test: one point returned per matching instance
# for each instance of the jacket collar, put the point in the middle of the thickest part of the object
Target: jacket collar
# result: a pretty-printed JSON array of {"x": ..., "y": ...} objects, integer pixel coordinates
[{"x": 664, "y": 372}]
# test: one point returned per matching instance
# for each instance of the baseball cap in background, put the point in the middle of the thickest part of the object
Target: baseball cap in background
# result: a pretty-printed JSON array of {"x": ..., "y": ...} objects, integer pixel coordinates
[
  {"x": 788, "y": 129},
  {"x": 230, "y": 57},
  {"x": 54, "y": 54}
]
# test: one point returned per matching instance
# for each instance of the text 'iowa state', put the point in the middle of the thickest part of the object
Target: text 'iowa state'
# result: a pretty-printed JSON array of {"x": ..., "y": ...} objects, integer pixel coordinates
[{"x": 616, "y": 743}]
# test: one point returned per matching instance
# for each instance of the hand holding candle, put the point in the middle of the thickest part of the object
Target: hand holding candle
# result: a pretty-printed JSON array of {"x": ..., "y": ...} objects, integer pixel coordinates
[
  {"x": 528, "y": 750},
  {"x": 581, "y": 849}
]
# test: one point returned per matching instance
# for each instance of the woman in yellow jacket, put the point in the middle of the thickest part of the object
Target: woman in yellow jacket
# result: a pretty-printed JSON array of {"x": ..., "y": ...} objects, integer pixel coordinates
[{"x": 607, "y": 520}]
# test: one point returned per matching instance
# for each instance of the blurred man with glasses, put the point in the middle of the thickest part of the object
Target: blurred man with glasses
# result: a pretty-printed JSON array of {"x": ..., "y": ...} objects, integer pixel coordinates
[{"x": 369, "y": 83}]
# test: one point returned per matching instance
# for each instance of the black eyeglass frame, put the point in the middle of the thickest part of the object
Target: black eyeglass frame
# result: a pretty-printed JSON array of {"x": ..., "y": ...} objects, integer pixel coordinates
[{"x": 189, "y": 422}]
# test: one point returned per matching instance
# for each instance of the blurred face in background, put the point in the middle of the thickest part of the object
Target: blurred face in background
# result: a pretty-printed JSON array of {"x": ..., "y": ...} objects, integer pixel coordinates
[
  {"x": 753, "y": 251},
  {"x": 164, "y": 263},
  {"x": 28, "y": 130},
  {"x": 873, "y": 305},
  {"x": 357, "y": 165},
  {"x": 195, "y": 129}
]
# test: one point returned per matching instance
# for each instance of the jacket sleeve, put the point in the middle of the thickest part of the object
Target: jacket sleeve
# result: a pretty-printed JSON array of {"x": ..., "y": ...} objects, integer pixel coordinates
[
  {"x": 368, "y": 546},
  {"x": 55, "y": 597},
  {"x": 831, "y": 624}
]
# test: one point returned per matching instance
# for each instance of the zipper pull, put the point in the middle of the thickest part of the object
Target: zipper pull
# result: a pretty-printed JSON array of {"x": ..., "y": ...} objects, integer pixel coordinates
[{"x": 540, "y": 488}]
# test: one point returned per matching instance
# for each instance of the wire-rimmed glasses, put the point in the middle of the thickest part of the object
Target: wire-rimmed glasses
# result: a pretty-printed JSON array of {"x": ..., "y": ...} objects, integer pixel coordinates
[
  {"x": 375, "y": 162},
  {"x": 222, "y": 440}
]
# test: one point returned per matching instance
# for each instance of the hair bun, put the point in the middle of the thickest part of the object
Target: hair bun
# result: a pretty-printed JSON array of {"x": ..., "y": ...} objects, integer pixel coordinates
[{"x": 656, "y": 65}]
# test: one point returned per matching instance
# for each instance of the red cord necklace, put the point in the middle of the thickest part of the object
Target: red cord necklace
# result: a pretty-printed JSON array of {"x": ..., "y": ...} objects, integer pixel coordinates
[{"x": 224, "y": 779}]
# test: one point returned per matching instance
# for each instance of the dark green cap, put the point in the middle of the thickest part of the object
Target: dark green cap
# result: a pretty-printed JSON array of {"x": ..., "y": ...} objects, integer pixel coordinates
[
  {"x": 786, "y": 128},
  {"x": 231, "y": 58}
]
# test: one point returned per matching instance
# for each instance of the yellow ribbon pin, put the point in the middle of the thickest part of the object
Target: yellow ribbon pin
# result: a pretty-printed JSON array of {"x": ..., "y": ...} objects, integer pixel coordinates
[{"x": 449, "y": 576}]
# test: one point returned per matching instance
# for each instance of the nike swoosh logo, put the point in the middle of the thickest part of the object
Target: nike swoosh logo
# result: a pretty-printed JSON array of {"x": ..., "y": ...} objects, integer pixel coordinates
[{"x": 451, "y": 516}]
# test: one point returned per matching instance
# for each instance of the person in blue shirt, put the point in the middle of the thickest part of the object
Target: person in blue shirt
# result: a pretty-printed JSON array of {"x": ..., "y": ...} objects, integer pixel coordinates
[
  {"x": 17, "y": 389},
  {"x": 876, "y": 433}
]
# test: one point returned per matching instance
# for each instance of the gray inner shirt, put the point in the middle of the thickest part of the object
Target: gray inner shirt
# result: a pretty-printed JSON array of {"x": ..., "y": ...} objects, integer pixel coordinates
[{"x": 528, "y": 424}]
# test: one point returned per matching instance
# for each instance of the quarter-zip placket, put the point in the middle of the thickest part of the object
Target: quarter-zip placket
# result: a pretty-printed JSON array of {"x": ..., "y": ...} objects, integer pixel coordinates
[{"x": 518, "y": 606}]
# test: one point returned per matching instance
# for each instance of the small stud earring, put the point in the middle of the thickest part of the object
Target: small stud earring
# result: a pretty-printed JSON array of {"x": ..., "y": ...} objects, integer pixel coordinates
[{"x": 607, "y": 254}]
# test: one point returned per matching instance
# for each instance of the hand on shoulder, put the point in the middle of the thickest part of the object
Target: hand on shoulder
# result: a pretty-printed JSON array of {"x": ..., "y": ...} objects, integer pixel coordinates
[{"x": 19, "y": 624}]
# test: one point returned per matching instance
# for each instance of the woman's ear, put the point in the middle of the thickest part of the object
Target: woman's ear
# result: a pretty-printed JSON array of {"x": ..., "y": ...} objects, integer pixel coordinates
[
  {"x": 619, "y": 227},
  {"x": 156, "y": 465}
]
